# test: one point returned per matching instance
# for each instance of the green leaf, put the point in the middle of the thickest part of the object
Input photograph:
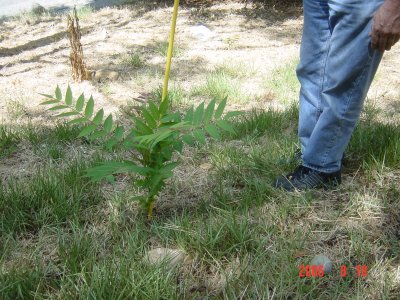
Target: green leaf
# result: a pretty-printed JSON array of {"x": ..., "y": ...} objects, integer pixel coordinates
[
  {"x": 154, "y": 110},
  {"x": 108, "y": 123},
  {"x": 47, "y": 96},
  {"x": 119, "y": 133},
  {"x": 50, "y": 102},
  {"x": 209, "y": 111},
  {"x": 198, "y": 114},
  {"x": 232, "y": 114},
  {"x": 68, "y": 96},
  {"x": 163, "y": 106},
  {"x": 161, "y": 136},
  {"x": 178, "y": 146},
  {"x": 220, "y": 109},
  {"x": 99, "y": 117},
  {"x": 225, "y": 126},
  {"x": 175, "y": 117},
  {"x": 80, "y": 102},
  {"x": 58, "y": 93},
  {"x": 76, "y": 121},
  {"x": 89, "y": 108},
  {"x": 141, "y": 127},
  {"x": 189, "y": 115},
  {"x": 213, "y": 131},
  {"x": 98, "y": 134},
  {"x": 199, "y": 135},
  {"x": 58, "y": 107},
  {"x": 87, "y": 130},
  {"x": 168, "y": 168},
  {"x": 109, "y": 168},
  {"x": 188, "y": 139},
  {"x": 111, "y": 143},
  {"x": 68, "y": 114},
  {"x": 149, "y": 119}
]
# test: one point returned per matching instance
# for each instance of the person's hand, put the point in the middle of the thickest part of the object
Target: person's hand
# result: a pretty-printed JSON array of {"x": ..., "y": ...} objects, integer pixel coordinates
[{"x": 386, "y": 26}]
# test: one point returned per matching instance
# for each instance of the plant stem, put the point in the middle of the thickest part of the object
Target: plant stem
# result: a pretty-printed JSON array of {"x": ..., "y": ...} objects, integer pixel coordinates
[
  {"x": 170, "y": 50},
  {"x": 150, "y": 209}
]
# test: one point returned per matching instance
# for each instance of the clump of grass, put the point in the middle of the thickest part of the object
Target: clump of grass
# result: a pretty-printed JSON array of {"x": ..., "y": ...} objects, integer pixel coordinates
[
  {"x": 8, "y": 141},
  {"x": 85, "y": 12},
  {"x": 133, "y": 60},
  {"x": 15, "y": 109},
  {"x": 283, "y": 83},
  {"x": 218, "y": 85},
  {"x": 52, "y": 197},
  {"x": 162, "y": 49}
]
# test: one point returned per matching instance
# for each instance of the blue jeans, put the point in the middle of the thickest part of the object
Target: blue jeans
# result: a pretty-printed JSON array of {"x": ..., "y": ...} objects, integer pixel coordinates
[{"x": 337, "y": 65}]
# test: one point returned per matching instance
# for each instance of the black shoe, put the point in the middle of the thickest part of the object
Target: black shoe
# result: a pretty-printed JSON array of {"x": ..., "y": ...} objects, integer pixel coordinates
[{"x": 304, "y": 178}]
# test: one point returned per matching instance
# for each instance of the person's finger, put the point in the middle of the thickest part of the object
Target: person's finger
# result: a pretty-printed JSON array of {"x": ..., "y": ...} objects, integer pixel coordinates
[
  {"x": 374, "y": 39},
  {"x": 397, "y": 38},
  {"x": 389, "y": 42},
  {"x": 382, "y": 43}
]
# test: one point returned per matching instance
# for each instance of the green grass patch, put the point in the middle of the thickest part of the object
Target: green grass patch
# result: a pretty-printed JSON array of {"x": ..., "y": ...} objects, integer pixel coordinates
[
  {"x": 283, "y": 83},
  {"x": 162, "y": 49},
  {"x": 62, "y": 237},
  {"x": 220, "y": 84}
]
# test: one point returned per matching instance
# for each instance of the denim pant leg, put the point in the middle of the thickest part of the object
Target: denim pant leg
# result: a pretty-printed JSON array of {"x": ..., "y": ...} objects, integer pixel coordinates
[
  {"x": 310, "y": 71},
  {"x": 328, "y": 115}
]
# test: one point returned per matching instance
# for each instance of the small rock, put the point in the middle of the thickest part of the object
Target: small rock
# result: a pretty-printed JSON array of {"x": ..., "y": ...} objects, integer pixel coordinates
[
  {"x": 105, "y": 74},
  {"x": 206, "y": 166},
  {"x": 173, "y": 257},
  {"x": 201, "y": 32},
  {"x": 323, "y": 260}
]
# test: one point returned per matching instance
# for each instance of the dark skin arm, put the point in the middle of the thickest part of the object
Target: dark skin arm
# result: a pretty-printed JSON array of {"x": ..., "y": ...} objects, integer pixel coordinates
[{"x": 386, "y": 26}]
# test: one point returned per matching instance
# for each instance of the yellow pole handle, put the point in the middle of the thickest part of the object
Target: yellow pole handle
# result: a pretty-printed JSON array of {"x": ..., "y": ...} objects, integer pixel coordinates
[{"x": 170, "y": 49}]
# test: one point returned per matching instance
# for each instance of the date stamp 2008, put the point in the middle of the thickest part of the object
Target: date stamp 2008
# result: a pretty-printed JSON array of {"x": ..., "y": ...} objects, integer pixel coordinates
[{"x": 306, "y": 271}]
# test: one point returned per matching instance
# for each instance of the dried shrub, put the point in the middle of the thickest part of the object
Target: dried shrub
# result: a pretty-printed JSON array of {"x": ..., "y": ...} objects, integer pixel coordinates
[{"x": 78, "y": 67}]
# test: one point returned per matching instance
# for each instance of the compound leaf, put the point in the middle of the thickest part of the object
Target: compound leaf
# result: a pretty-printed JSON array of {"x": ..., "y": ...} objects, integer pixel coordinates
[
  {"x": 99, "y": 117},
  {"x": 58, "y": 93},
  {"x": 199, "y": 135},
  {"x": 58, "y": 107},
  {"x": 198, "y": 114},
  {"x": 232, "y": 114},
  {"x": 68, "y": 96},
  {"x": 76, "y": 121},
  {"x": 213, "y": 131},
  {"x": 87, "y": 130},
  {"x": 89, "y": 108},
  {"x": 49, "y": 102},
  {"x": 220, "y": 109},
  {"x": 108, "y": 123},
  {"x": 80, "y": 102},
  {"x": 149, "y": 119},
  {"x": 68, "y": 114},
  {"x": 209, "y": 111},
  {"x": 225, "y": 126}
]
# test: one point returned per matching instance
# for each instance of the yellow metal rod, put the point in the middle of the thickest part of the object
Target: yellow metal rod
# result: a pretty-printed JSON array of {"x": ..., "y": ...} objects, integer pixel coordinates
[{"x": 170, "y": 50}]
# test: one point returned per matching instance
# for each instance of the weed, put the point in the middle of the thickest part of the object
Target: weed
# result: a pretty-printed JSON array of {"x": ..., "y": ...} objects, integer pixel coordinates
[
  {"x": 8, "y": 141},
  {"x": 162, "y": 49},
  {"x": 15, "y": 109},
  {"x": 135, "y": 61},
  {"x": 218, "y": 85},
  {"x": 156, "y": 135}
]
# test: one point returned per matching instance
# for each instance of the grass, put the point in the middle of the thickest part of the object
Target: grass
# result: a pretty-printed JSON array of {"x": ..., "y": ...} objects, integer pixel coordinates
[
  {"x": 219, "y": 84},
  {"x": 65, "y": 237},
  {"x": 162, "y": 49},
  {"x": 283, "y": 83}
]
